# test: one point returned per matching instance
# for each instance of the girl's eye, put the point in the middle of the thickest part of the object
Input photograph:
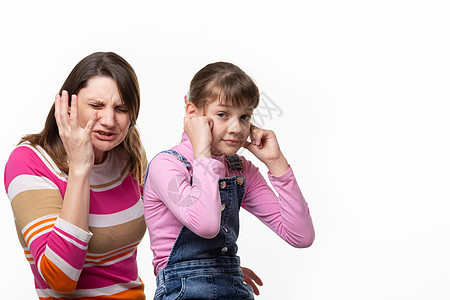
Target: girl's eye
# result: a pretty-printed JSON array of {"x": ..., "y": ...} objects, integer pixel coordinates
[
  {"x": 222, "y": 115},
  {"x": 246, "y": 117}
]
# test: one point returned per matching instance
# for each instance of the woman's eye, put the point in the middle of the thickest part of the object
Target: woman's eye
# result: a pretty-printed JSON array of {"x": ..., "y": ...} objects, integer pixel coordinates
[
  {"x": 122, "y": 109},
  {"x": 95, "y": 105}
]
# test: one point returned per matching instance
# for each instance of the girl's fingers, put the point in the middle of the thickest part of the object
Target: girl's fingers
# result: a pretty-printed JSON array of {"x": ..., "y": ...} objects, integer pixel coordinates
[
  {"x": 246, "y": 144},
  {"x": 257, "y": 136},
  {"x": 210, "y": 122}
]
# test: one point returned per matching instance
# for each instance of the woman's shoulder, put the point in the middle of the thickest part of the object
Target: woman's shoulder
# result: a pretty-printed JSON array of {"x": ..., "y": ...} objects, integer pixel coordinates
[
  {"x": 32, "y": 157},
  {"x": 30, "y": 163}
]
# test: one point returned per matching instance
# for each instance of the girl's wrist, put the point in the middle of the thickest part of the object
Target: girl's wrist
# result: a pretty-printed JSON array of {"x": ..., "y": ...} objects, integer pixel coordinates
[
  {"x": 202, "y": 150},
  {"x": 277, "y": 167},
  {"x": 202, "y": 154}
]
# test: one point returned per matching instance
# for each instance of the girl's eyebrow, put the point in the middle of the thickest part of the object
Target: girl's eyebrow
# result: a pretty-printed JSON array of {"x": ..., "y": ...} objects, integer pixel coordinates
[{"x": 249, "y": 108}]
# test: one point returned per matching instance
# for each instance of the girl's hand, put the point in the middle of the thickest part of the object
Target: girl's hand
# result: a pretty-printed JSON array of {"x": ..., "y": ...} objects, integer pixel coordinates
[
  {"x": 265, "y": 147},
  {"x": 251, "y": 279},
  {"x": 198, "y": 129},
  {"x": 76, "y": 140}
]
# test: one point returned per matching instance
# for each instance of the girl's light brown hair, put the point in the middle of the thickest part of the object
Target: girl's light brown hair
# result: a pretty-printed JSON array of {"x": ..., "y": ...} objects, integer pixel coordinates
[
  {"x": 105, "y": 64},
  {"x": 225, "y": 82}
]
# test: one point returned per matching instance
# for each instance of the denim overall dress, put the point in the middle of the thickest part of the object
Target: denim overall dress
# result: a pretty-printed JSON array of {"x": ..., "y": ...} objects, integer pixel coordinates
[{"x": 200, "y": 268}]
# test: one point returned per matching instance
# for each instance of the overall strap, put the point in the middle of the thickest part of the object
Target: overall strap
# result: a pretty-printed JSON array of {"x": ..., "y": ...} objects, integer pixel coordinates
[
  {"x": 182, "y": 159},
  {"x": 234, "y": 162}
]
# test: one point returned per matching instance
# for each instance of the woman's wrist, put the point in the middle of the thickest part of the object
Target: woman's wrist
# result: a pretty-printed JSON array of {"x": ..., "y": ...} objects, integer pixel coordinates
[{"x": 80, "y": 169}]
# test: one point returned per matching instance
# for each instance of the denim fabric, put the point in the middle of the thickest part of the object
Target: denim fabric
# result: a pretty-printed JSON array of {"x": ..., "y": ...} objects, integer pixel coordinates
[{"x": 200, "y": 268}]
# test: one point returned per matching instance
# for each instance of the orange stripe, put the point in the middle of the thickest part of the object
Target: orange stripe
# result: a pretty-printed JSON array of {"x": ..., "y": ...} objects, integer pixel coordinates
[
  {"x": 56, "y": 278},
  {"x": 97, "y": 257},
  {"x": 38, "y": 231},
  {"x": 37, "y": 224}
]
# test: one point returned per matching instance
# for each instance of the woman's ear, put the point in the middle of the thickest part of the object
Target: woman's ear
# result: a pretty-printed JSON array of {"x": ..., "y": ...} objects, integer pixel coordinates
[{"x": 191, "y": 109}]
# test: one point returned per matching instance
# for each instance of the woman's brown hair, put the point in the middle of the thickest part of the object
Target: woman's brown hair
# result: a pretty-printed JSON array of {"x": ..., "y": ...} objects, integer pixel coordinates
[
  {"x": 225, "y": 82},
  {"x": 105, "y": 64}
]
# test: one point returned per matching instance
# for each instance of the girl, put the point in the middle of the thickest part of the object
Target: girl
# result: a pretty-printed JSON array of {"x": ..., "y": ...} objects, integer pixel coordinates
[{"x": 194, "y": 191}]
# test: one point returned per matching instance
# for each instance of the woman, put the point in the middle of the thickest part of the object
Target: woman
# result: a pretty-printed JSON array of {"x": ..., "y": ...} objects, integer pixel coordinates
[
  {"x": 89, "y": 154},
  {"x": 75, "y": 187}
]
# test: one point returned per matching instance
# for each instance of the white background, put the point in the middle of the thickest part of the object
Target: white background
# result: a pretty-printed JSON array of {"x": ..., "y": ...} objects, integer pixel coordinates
[{"x": 364, "y": 90}]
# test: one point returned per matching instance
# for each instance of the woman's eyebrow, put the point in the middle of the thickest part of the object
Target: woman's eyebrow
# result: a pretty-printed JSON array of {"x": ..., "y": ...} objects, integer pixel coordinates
[{"x": 95, "y": 100}]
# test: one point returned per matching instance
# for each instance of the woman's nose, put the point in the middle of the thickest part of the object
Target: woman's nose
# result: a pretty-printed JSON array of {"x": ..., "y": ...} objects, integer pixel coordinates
[{"x": 107, "y": 117}]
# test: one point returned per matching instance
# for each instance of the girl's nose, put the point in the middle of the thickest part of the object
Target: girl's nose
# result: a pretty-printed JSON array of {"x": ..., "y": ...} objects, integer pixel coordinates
[{"x": 235, "y": 127}]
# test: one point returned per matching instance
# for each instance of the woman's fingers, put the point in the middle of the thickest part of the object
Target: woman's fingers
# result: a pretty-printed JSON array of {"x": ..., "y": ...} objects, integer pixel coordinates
[
  {"x": 90, "y": 124},
  {"x": 64, "y": 108},
  {"x": 73, "y": 112}
]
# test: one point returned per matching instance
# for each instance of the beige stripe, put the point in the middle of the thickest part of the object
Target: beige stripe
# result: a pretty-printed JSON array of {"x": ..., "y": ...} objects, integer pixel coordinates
[
  {"x": 20, "y": 236},
  {"x": 30, "y": 205},
  {"x": 124, "y": 170},
  {"x": 107, "y": 239}
]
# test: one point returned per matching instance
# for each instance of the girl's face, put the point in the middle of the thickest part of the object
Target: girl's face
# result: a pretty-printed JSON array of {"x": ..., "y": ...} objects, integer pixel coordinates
[
  {"x": 101, "y": 94},
  {"x": 231, "y": 126}
]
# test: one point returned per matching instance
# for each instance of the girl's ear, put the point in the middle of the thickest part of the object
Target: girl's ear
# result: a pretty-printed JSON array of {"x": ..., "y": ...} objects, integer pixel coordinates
[{"x": 191, "y": 109}]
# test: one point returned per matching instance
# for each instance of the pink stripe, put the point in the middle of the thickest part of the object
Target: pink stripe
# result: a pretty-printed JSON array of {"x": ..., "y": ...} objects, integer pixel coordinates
[
  {"x": 101, "y": 276},
  {"x": 73, "y": 255},
  {"x": 114, "y": 197},
  {"x": 19, "y": 164}
]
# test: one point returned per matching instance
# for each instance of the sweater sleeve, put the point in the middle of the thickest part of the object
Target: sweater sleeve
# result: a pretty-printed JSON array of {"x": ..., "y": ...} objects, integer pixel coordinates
[
  {"x": 287, "y": 214},
  {"x": 57, "y": 248},
  {"x": 198, "y": 206}
]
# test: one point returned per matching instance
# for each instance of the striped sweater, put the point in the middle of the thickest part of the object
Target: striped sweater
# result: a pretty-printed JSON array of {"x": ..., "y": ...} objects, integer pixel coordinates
[{"x": 68, "y": 262}]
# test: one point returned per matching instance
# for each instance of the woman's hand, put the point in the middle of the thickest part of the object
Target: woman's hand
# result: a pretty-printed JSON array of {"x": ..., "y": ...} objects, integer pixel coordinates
[
  {"x": 76, "y": 140},
  {"x": 198, "y": 129},
  {"x": 264, "y": 145},
  {"x": 80, "y": 154},
  {"x": 251, "y": 279}
]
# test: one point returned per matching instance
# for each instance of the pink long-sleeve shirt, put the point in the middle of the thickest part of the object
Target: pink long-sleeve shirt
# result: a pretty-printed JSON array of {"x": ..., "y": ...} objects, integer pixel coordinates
[{"x": 171, "y": 202}]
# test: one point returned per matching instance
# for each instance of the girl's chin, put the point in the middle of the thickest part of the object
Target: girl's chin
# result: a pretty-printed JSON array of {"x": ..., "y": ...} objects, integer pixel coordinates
[{"x": 226, "y": 152}]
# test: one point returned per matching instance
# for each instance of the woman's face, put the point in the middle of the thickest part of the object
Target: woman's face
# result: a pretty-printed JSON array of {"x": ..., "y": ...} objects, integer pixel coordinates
[{"x": 102, "y": 95}]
